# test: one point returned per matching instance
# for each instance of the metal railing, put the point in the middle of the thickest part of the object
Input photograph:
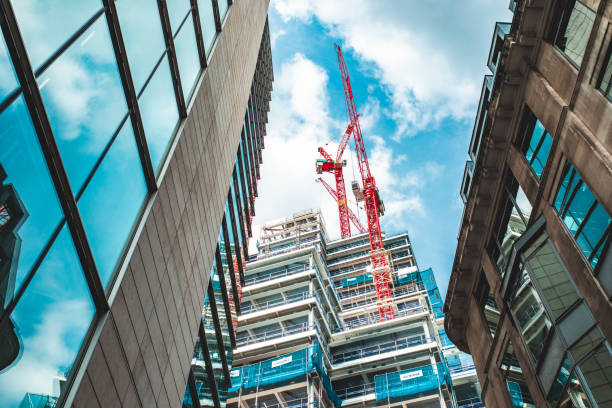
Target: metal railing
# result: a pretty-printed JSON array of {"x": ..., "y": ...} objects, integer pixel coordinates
[
  {"x": 304, "y": 243},
  {"x": 356, "y": 391},
  {"x": 531, "y": 311},
  {"x": 381, "y": 348},
  {"x": 399, "y": 291},
  {"x": 375, "y": 318},
  {"x": 273, "y": 334},
  {"x": 348, "y": 257},
  {"x": 470, "y": 403},
  {"x": 290, "y": 270},
  {"x": 276, "y": 302},
  {"x": 348, "y": 246},
  {"x": 460, "y": 368}
]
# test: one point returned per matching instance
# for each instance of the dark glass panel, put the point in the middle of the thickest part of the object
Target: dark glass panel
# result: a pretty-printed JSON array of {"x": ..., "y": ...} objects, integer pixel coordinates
[
  {"x": 84, "y": 100},
  {"x": 46, "y": 24},
  {"x": 597, "y": 373},
  {"x": 605, "y": 84},
  {"x": 187, "y": 57},
  {"x": 142, "y": 35},
  {"x": 159, "y": 113},
  {"x": 51, "y": 321},
  {"x": 111, "y": 202},
  {"x": 572, "y": 27},
  {"x": 207, "y": 20},
  {"x": 29, "y": 183}
]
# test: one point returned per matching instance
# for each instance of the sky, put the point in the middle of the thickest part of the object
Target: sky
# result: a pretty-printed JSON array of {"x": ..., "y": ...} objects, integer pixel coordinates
[{"x": 416, "y": 69}]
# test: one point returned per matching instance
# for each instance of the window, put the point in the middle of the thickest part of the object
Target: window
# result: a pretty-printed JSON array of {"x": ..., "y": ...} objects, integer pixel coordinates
[
  {"x": 223, "y": 5},
  {"x": 187, "y": 56},
  {"x": 536, "y": 143},
  {"x": 605, "y": 80},
  {"x": 584, "y": 217},
  {"x": 510, "y": 222},
  {"x": 513, "y": 375},
  {"x": 207, "y": 21},
  {"x": 571, "y": 29},
  {"x": 487, "y": 304}
]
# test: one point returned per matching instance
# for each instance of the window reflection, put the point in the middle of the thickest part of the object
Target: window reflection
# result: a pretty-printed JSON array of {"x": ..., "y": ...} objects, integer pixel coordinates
[
  {"x": 46, "y": 24},
  {"x": 513, "y": 375},
  {"x": 177, "y": 10},
  {"x": 571, "y": 29},
  {"x": 8, "y": 79},
  {"x": 108, "y": 220},
  {"x": 223, "y": 5},
  {"x": 84, "y": 100},
  {"x": 52, "y": 319},
  {"x": 207, "y": 21},
  {"x": 605, "y": 81},
  {"x": 27, "y": 175},
  {"x": 597, "y": 373},
  {"x": 187, "y": 57},
  {"x": 536, "y": 143},
  {"x": 143, "y": 37},
  {"x": 159, "y": 112}
]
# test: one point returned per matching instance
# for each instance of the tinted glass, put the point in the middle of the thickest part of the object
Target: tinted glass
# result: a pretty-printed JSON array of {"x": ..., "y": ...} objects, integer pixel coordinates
[
  {"x": 27, "y": 174},
  {"x": 111, "y": 202},
  {"x": 159, "y": 112},
  {"x": 177, "y": 10},
  {"x": 187, "y": 57},
  {"x": 222, "y": 8},
  {"x": 207, "y": 21},
  {"x": 8, "y": 79},
  {"x": 84, "y": 100},
  {"x": 597, "y": 372},
  {"x": 555, "y": 283},
  {"x": 536, "y": 135},
  {"x": 51, "y": 321},
  {"x": 142, "y": 35},
  {"x": 47, "y": 24},
  {"x": 605, "y": 84},
  {"x": 573, "y": 29},
  {"x": 586, "y": 344}
]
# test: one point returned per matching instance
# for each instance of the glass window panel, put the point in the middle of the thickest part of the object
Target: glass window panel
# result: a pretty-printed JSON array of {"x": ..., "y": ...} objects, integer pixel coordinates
[
  {"x": 177, "y": 10},
  {"x": 539, "y": 161},
  {"x": 606, "y": 76},
  {"x": 8, "y": 79},
  {"x": 579, "y": 207},
  {"x": 573, "y": 29},
  {"x": 556, "y": 285},
  {"x": 46, "y": 24},
  {"x": 223, "y": 5},
  {"x": 84, "y": 99},
  {"x": 143, "y": 37},
  {"x": 574, "y": 395},
  {"x": 51, "y": 320},
  {"x": 586, "y": 344},
  {"x": 536, "y": 136},
  {"x": 111, "y": 202},
  {"x": 207, "y": 21},
  {"x": 595, "y": 226},
  {"x": 30, "y": 184},
  {"x": 568, "y": 177},
  {"x": 533, "y": 322},
  {"x": 159, "y": 113},
  {"x": 187, "y": 57},
  {"x": 560, "y": 381},
  {"x": 597, "y": 372}
]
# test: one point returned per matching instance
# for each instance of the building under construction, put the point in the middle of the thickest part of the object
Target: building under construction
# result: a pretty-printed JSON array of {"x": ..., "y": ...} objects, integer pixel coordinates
[{"x": 310, "y": 333}]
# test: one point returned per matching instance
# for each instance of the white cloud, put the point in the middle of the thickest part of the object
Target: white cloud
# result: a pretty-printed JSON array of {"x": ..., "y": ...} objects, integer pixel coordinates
[
  {"x": 428, "y": 76},
  {"x": 275, "y": 35}
]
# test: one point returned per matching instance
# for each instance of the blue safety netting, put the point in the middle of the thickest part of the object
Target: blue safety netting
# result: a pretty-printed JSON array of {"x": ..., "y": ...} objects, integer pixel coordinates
[
  {"x": 429, "y": 281},
  {"x": 355, "y": 280},
  {"x": 284, "y": 368},
  {"x": 446, "y": 342},
  {"x": 411, "y": 382},
  {"x": 407, "y": 277}
]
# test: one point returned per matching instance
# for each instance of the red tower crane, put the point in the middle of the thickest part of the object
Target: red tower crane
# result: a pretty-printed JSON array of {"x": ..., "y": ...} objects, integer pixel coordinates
[
  {"x": 329, "y": 165},
  {"x": 373, "y": 204},
  {"x": 351, "y": 214}
]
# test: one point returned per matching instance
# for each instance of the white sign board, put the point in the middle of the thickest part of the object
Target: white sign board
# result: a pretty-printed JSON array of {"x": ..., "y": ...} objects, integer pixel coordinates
[
  {"x": 282, "y": 361},
  {"x": 411, "y": 375},
  {"x": 235, "y": 373}
]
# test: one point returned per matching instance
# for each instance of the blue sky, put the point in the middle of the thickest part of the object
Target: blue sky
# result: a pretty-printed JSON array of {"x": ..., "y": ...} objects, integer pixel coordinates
[{"x": 416, "y": 68}]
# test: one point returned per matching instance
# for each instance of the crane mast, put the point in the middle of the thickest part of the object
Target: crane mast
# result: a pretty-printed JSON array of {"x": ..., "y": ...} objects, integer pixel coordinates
[
  {"x": 351, "y": 214},
  {"x": 373, "y": 205}
]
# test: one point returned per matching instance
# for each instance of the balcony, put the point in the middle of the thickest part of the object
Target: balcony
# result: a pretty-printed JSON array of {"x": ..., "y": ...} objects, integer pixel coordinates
[
  {"x": 378, "y": 349},
  {"x": 466, "y": 183},
  {"x": 375, "y": 318},
  {"x": 480, "y": 120},
  {"x": 251, "y": 308},
  {"x": 356, "y": 391},
  {"x": 497, "y": 44},
  {"x": 265, "y": 277},
  {"x": 273, "y": 334}
]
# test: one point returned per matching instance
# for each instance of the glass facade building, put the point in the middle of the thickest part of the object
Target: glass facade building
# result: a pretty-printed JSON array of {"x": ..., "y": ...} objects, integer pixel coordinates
[
  {"x": 106, "y": 135},
  {"x": 534, "y": 250}
]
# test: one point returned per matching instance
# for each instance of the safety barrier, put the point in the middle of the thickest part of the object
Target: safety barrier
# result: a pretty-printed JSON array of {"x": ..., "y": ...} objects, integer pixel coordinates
[
  {"x": 284, "y": 368},
  {"x": 377, "y": 349},
  {"x": 411, "y": 382}
]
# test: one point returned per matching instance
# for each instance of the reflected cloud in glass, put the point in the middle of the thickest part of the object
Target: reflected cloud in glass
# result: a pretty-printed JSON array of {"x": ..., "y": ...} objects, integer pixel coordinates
[
  {"x": 52, "y": 319},
  {"x": 187, "y": 57},
  {"x": 159, "y": 112},
  {"x": 207, "y": 21},
  {"x": 177, "y": 9},
  {"x": 8, "y": 79},
  {"x": 112, "y": 200},
  {"x": 47, "y": 24},
  {"x": 84, "y": 100},
  {"x": 26, "y": 169}
]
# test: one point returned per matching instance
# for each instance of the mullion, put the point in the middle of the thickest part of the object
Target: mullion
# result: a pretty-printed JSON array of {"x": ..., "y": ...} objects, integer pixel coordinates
[
  {"x": 209, "y": 370},
  {"x": 242, "y": 221},
  {"x": 174, "y": 69},
  {"x": 230, "y": 263},
  {"x": 195, "y": 398},
  {"x": 247, "y": 172},
  {"x": 46, "y": 138},
  {"x": 250, "y": 157},
  {"x": 130, "y": 94},
  {"x": 215, "y": 314},
  {"x": 253, "y": 146},
  {"x": 601, "y": 241},
  {"x": 572, "y": 174},
  {"x": 10, "y": 98},
  {"x": 537, "y": 149},
  {"x": 572, "y": 196},
  {"x": 217, "y": 15},
  {"x": 224, "y": 295},
  {"x": 245, "y": 192},
  {"x": 197, "y": 25},
  {"x": 585, "y": 220},
  {"x": 230, "y": 203}
]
